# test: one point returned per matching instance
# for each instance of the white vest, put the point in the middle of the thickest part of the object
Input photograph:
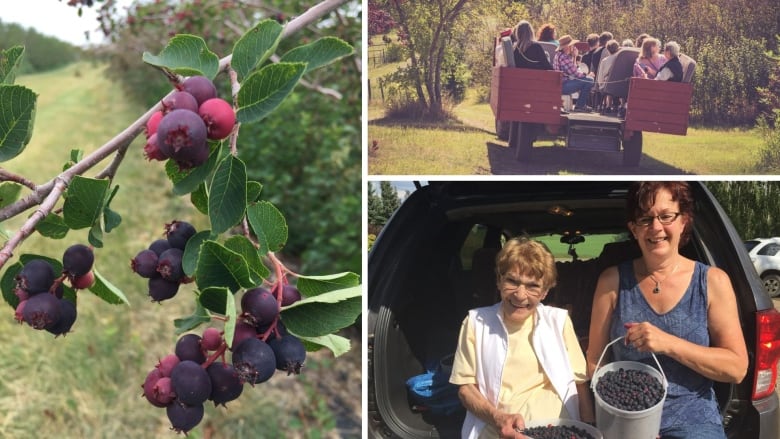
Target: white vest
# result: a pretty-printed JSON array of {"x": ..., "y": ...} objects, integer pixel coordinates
[{"x": 491, "y": 350}]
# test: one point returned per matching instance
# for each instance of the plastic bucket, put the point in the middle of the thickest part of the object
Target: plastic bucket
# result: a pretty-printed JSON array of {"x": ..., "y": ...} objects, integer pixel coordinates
[
  {"x": 593, "y": 431},
  {"x": 616, "y": 423}
]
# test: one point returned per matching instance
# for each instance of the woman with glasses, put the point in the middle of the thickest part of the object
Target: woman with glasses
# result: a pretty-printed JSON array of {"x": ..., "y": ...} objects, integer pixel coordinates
[
  {"x": 519, "y": 360},
  {"x": 681, "y": 310}
]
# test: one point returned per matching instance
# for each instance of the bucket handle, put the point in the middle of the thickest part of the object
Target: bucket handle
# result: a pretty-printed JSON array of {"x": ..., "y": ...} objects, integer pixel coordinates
[{"x": 660, "y": 369}]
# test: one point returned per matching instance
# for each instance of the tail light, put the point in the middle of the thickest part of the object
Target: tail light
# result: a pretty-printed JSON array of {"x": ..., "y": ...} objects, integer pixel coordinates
[{"x": 767, "y": 352}]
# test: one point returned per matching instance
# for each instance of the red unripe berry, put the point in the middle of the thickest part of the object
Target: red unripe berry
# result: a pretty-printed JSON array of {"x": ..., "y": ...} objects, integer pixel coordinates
[
  {"x": 83, "y": 281},
  {"x": 152, "y": 123},
  {"x": 219, "y": 117},
  {"x": 152, "y": 149}
]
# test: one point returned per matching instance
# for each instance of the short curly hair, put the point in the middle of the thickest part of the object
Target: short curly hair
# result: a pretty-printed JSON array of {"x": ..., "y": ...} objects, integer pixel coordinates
[{"x": 531, "y": 258}]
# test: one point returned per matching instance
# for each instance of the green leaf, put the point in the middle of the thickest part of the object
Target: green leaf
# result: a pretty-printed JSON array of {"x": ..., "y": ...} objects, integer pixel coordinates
[
  {"x": 336, "y": 343},
  {"x": 111, "y": 218},
  {"x": 107, "y": 291},
  {"x": 8, "y": 284},
  {"x": 319, "y": 53},
  {"x": 221, "y": 267},
  {"x": 84, "y": 201},
  {"x": 310, "y": 286},
  {"x": 263, "y": 91},
  {"x": 10, "y": 59},
  {"x": 245, "y": 248},
  {"x": 255, "y": 46},
  {"x": 95, "y": 236},
  {"x": 215, "y": 299},
  {"x": 17, "y": 116},
  {"x": 53, "y": 226},
  {"x": 196, "y": 319},
  {"x": 227, "y": 194},
  {"x": 186, "y": 55},
  {"x": 187, "y": 181},
  {"x": 253, "y": 190},
  {"x": 200, "y": 199},
  {"x": 323, "y": 314},
  {"x": 230, "y": 319},
  {"x": 189, "y": 260},
  {"x": 269, "y": 226},
  {"x": 9, "y": 193}
]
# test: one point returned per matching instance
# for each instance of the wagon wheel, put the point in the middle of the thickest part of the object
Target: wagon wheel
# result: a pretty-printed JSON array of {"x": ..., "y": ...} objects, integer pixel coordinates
[
  {"x": 524, "y": 140},
  {"x": 502, "y": 129},
  {"x": 632, "y": 149}
]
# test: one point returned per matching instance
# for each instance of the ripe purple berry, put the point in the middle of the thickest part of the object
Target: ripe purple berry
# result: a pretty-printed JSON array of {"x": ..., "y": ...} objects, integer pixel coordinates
[
  {"x": 178, "y": 233},
  {"x": 42, "y": 311},
  {"x": 159, "y": 246},
  {"x": 190, "y": 382},
  {"x": 161, "y": 289},
  {"x": 181, "y": 136},
  {"x": 200, "y": 87},
  {"x": 77, "y": 260},
  {"x": 225, "y": 384},
  {"x": 145, "y": 263},
  {"x": 179, "y": 100},
  {"x": 259, "y": 306},
  {"x": 254, "y": 361},
  {"x": 188, "y": 348},
  {"x": 184, "y": 417},
  {"x": 290, "y": 353},
  {"x": 169, "y": 265},
  {"x": 67, "y": 318},
  {"x": 290, "y": 295},
  {"x": 36, "y": 276}
]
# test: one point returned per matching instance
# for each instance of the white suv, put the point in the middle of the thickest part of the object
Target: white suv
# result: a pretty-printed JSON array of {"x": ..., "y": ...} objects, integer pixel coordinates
[{"x": 765, "y": 254}]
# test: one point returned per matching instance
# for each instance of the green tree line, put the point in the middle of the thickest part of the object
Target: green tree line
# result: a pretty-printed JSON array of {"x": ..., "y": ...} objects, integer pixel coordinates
[
  {"x": 752, "y": 206},
  {"x": 42, "y": 53}
]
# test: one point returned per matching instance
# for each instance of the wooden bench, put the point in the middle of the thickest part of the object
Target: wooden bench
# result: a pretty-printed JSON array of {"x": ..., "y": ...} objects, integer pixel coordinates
[{"x": 527, "y": 95}]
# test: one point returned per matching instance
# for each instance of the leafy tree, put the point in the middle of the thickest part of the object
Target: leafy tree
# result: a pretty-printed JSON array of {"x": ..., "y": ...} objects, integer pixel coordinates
[
  {"x": 751, "y": 205},
  {"x": 379, "y": 21},
  {"x": 43, "y": 53},
  {"x": 390, "y": 201}
]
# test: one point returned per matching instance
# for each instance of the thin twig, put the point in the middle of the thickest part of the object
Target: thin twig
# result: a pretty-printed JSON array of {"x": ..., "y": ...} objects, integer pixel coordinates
[{"x": 6, "y": 175}]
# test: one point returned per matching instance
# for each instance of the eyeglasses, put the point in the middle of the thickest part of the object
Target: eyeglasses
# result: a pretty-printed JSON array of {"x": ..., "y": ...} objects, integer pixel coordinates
[
  {"x": 512, "y": 285},
  {"x": 664, "y": 218}
]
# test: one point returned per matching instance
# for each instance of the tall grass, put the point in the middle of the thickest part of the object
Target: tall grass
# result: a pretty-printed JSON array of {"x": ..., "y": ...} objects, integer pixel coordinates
[{"x": 87, "y": 384}]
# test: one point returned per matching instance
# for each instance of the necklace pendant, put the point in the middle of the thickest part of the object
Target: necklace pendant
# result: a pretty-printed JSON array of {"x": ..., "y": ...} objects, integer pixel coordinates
[{"x": 657, "y": 288}]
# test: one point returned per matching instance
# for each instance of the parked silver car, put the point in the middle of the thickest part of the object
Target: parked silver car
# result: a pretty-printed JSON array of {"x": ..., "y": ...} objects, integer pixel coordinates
[
  {"x": 765, "y": 254},
  {"x": 433, "y": 261}
]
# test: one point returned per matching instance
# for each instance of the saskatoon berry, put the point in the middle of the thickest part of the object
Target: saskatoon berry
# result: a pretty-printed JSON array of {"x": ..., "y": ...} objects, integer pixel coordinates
[
  {"x": 42, "y": 311},
  {"x": 190, "y": 382},
  {"x": 83, "y": 281},
  {"x": 211, "y": 339},
  {"x": 149, "y": 387},
  {"x": 152, "y": 149},
  {"x": 21, "y": 294},
  {"x": 557, "y": 432},
  {"x": 163, "y": 391},
  {"x": 77, "y": 260},
  {"x": 259, "y": 306},
  {"x": 59, "y": 290},
  {"x": 188, "y": 349},
  {"x": 184, "y": 417},
  {"x": 181, "y": 136},
  {"x": 629, "y": 389},
  {"x": 19, "y": 312},
  {"x": 145, "y": 263},
  {"x": 161, "y": 289},
  {"x": 167, "y": 363},
  {"x": 225, "y": 384},
  {"x": 289, "y": 352},
  {"x": 290, "y": 295},
  {"x": 201, "y": 87},
  {"x": 243, "y": 331},
  {"x": 153, "y": 123},
  {"x": 179, "y": 100},
  {"x": 219, "y": 117},
  {"x": 36, "y": 276},
  {"x": 254, "y": 361},
  {"x": 159, "y": 246},
  {"x": 178, "y": 233},
  {"x": 169, "y": 265},
  {"x": 68, "y": 316}
]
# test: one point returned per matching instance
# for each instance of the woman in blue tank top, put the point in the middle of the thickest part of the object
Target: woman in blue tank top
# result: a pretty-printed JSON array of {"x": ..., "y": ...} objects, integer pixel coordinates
[{"x": 680, "y": 309}]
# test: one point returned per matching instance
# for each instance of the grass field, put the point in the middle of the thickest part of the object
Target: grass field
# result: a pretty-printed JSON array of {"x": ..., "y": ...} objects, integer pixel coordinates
[
  {"x": 470, "y": 147},
  {"x": 87, "y": 384}
]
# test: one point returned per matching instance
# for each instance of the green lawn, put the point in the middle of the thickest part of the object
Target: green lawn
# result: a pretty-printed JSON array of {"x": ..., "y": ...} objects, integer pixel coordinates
[{"x": 88, "y": 383}]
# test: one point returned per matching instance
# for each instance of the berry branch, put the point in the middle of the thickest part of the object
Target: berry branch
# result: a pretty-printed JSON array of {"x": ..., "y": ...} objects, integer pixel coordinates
[{"x": 47, "y": 194}]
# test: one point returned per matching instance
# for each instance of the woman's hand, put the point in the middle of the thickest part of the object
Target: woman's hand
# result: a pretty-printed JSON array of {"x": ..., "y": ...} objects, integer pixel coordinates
[
  {"x": 646, "y": 337},
  {"x": 510, "y": 425}
]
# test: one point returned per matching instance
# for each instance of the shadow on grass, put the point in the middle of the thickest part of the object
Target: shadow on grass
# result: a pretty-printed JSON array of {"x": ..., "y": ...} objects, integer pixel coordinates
[
  {"x": 448, "y": 125},
  {"x": 562, "y": 160}
]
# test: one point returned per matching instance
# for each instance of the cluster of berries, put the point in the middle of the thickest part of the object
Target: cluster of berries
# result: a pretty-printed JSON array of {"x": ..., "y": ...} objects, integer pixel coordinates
[
  {"x": 198, "y": 370},
  {"x": 161, "y": 263},
  {"x": 629, "y": 389},
  {"x": 40, "y": 290},
  {"x": 190, "y": 115},
  {"x": 557, "y": 432}
]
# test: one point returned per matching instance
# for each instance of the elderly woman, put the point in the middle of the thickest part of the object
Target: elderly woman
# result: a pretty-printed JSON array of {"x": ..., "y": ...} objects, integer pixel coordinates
[
  {"x": 519, "y": 360},
  {"x": 573, "y": 79},
  {"x": 649, "y": 61},
  {"x": 672, "y": 70},
  {"x": 681, "y": 310}
]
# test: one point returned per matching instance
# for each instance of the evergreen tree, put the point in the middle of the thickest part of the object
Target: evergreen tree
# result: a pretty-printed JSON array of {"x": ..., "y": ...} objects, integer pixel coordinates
[
  {"x": 375, "y": 217},
  {"x": 390, "y": 201}
]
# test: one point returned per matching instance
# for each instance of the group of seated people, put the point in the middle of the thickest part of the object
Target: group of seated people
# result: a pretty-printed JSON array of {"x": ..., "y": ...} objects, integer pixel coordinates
[{"x": 582, "y": 72}]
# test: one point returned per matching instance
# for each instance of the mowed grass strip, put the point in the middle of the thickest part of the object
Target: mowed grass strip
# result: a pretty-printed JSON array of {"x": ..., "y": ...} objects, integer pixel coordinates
[{"x": 88, "y": 383}]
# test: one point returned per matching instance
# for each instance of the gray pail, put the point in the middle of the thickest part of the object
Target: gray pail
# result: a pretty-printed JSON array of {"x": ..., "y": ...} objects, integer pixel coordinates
[{"x": 615, "y": 423}]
